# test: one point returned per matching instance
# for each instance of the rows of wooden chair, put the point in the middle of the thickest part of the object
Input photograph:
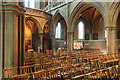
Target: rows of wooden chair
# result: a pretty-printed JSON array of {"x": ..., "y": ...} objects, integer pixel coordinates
[
  {"x": 34, "y": 58},
  {"x": 74, "y": 65}
]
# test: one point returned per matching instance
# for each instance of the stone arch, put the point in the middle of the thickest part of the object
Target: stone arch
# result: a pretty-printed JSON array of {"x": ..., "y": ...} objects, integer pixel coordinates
[
  {"x": 84, "y": 21},
  {"x": 56, "y": 14},
  {"x": 87, "y": 28},
  {"x": 61, "y": 13},
  {"x": 56, "y": 18},
  {"x": 115, "y": 11},
  {"x": 36, "y": 22},
  {"x": 81, "y": 5}
]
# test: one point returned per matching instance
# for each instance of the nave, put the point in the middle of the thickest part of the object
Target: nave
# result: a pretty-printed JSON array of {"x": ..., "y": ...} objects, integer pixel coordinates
[
  {"x": 59, "y": 40},
  {"x": 66, "y": 65}
]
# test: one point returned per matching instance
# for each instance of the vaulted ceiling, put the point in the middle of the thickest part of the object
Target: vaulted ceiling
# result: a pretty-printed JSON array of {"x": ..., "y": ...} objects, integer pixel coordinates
[{"x": 90, "y": 14}]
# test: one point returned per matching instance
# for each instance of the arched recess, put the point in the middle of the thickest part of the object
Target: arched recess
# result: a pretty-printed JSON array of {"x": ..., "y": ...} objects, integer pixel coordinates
[
  {"x": 79, "y": 8},
  {"x": 36, "y": 22},
  {"x": 93, "y": 16},
  {"x": 47, "y": 41},
  {"x": 115, "y": 9},
  {"x": 87, "y": 28},
  {"x": 116, "y": 17},
  {"x": 116, "y": 20},
  {"x": 60, "y": 43},
  {"x": 32, "y": 29},
  {"x": 94, "y": 21},
  {"x": 59, "y": 18},
  {"x": 61, "y": 13}
]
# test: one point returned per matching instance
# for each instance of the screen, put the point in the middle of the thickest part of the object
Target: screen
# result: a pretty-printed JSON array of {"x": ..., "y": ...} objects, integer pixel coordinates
[{"x": 78, "y": 45}]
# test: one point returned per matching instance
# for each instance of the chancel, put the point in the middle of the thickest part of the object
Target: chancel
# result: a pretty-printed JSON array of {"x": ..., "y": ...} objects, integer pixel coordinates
[{"x": 59, "y": 40}]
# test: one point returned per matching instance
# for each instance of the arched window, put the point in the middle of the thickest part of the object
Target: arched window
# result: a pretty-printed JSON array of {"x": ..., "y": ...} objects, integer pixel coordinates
[
  {"x": 58, "y": 31},
  {"x": 29, "y": 3},
  {"x": 80, "y": 30}
]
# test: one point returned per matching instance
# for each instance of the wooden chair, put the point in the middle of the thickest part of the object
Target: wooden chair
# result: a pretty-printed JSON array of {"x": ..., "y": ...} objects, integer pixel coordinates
[
  {"x": 40, "y": 75},
  {"x": 38, "y": 67},
  {"x": 111, "y": 73},
  {"x": 55, "y": 73},
  {"x": 68, "y": 58},
  {"x": 116, "y": 55},
  {"x": 103, "y": 73},
  {"x": 57, "y": 64},
  {"x": 77, "y": 69},
  {"x": 74, "y": 61},
  {"x": 10, "y": 72},
  {"x": 102, "y": 58},
  {"x": 115, "y": 71},
  {"x": 92, "y": 75},
  {"x": 54, "y": 59},
  {"x": 67, "y": 72},
  {"x": 80, "y": 60},
  {"x": 41, "y": 61},
  {"x": 66, "y": 63},
  {"x": 47, "y": 66},
  {"x": 24, "y": 69},
  {"x": 106, "y": 57},
  {"x": 28, "y": 61},
  {"x": 95, "y": 64},
  {"x": 86, "y": 68},
  {"x": 35, "y": 55},
  {"x": 22, "y": 77},
  {"x": 51, "y": 52},
  {"x": 37, "y": 61},
  {"x": 45, "y": 60},
  {"x": 111, "y": 56}
]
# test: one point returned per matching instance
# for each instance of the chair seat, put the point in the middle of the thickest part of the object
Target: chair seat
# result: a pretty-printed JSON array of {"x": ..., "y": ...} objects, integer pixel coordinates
[{"x": 79, "y": 76}]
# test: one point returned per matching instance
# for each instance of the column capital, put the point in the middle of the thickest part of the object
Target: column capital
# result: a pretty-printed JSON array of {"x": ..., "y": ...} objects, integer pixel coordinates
[
  {"x": 41, "y": 34},
  {"x": 112, "y": 27},
  {"x": 13, "y": 8},
  {"x": 70, "y": 33}
]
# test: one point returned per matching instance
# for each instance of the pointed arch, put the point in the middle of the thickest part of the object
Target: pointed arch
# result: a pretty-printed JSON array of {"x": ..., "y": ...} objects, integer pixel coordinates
[
  {"x": 36, "y": 22},
  {"x": 115, "y": 11},
  {"x": 61, "y": 13},
  {"x": 78, "y": 9},
  {"x": 56, "y": 18},
  {"x": 59, "y": 18}
]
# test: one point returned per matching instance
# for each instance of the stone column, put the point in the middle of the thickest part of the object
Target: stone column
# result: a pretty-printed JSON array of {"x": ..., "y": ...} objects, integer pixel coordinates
[
  {"x": 52, "y": 33},
  {"x": 11, "y": 34},
  {"x": 41, "y": 42},
  {"x": 70, "y": 34},
  {"x": 1, "y": 41},
  {"x": 22, "y": 38},
  {"x": 42, "y": 5},
  {"x": 53, "y": 41},
  {"x": 11, "y": 39},
  {"x": 70, "y": 40},
  {"x": 110, "y": 42},
  {"x": 90, "y": 36}
]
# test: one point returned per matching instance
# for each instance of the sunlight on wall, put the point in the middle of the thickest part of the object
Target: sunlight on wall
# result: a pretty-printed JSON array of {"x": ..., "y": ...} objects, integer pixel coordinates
[
  {"x": 30, "y": 3},
  {"x": 80, "y": 30},
  {"x": 58, "y": 31},
  {"x": 28, "y": 33}
]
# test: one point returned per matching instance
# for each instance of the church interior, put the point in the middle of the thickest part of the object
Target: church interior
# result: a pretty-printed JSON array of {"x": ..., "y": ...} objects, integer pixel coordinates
[{"x": 59, "y": 40}]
